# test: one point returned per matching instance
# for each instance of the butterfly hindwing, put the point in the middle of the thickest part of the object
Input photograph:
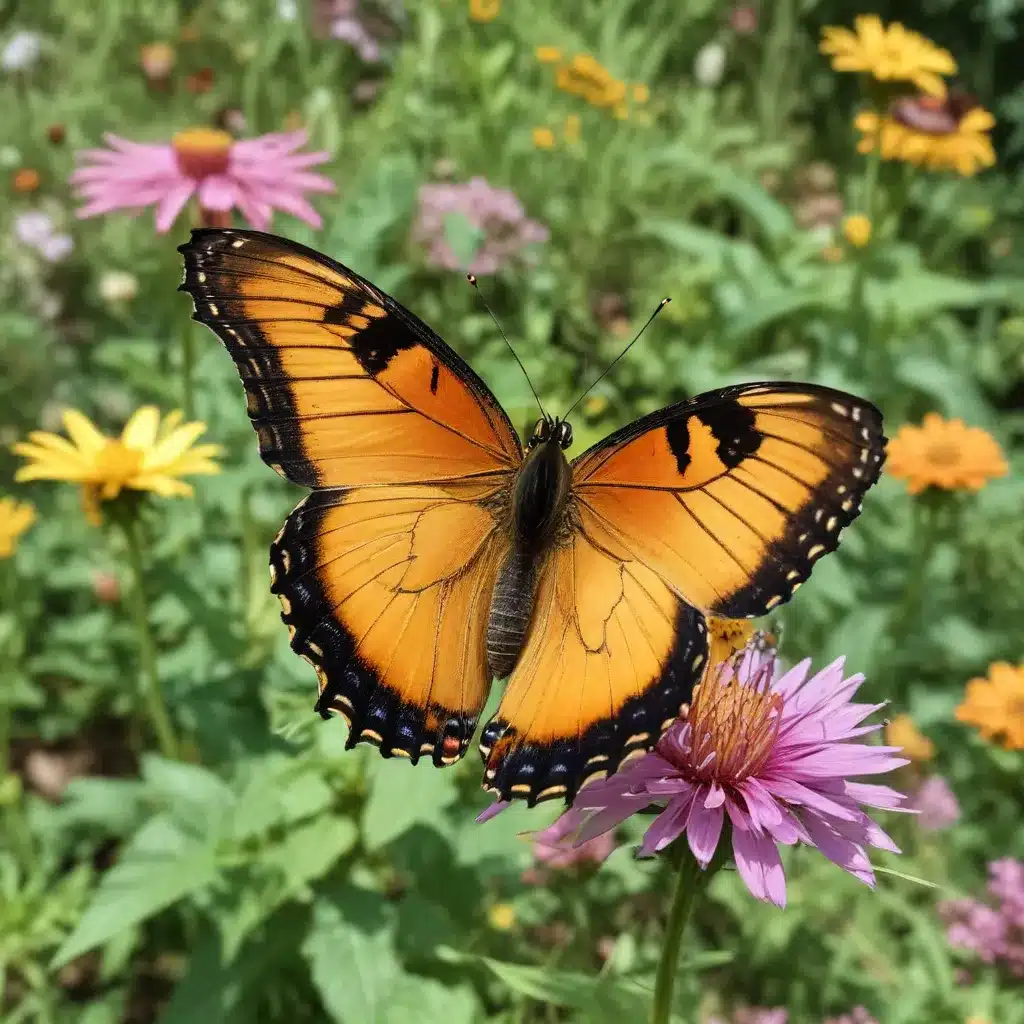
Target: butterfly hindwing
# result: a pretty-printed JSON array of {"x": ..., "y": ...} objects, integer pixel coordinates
[
  {"x": 345, "y": 387},
  {"x": 406, "y": 450}
]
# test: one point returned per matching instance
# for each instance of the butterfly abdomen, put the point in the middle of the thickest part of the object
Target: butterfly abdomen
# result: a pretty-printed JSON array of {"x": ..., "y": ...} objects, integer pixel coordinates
[{"x": 509, "y": 617}]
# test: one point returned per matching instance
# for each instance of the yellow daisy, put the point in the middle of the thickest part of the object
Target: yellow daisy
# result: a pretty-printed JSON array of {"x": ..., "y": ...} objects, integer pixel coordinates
[
  {"x": 15, "y": 518},
  {"x": 903, "y": 732},
  {"x": 484, "y": 10},
  {"x": 548, "y": 54},
  {"x": 996, "y": 705},
  {"x": 930, "y": 133},
  {"x": 857, "y": 230},
  {"x": 945, "y": 454},
  {"x": 585, "y": 76},
  {"x": 543, "y": 138},
  {"x": 890, "y": 53},
  {"x": 150, "y": 455}
]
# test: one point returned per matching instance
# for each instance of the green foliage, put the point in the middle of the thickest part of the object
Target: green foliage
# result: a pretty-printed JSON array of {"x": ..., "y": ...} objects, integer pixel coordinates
[{"x": 270, "y": 875}]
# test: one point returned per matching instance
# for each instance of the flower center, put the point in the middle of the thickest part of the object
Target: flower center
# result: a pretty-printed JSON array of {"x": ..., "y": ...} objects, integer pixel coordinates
[
  {"x": 115, "y": 464},
  {"x": 944, "y": 453},
  {"x": 202, "y": 152},
  {"x": 733, "y": 727}
]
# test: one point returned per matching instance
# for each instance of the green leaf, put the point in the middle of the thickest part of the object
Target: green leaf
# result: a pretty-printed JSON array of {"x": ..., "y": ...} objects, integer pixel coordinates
[
  {"x": 354, "y": 972},
  {"x": 196, "y": 797},
  {"x": 159, "y": 867},
  {"x": 310, "y": 850},
  {"x": 400, "y": 798}
]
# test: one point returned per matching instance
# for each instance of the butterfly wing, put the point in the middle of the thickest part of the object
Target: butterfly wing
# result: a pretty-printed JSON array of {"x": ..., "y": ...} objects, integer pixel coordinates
[
  {"x": 720, "y": 505},
  {"x": 406, "y": 449}
]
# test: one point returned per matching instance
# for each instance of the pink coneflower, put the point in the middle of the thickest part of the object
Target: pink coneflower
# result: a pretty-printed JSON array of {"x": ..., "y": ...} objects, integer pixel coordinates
[
  {"x": 773, "y": 752},
  {"x": 255, "y": 175},
  {"x": 555, "y": 846}
]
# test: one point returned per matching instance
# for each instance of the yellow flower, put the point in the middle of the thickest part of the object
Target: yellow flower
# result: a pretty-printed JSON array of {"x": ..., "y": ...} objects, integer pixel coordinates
[
  {"x": 902, "y": 732},
  {"x": 543, "y": 138},
  {"x": 502, "y": 917},
  {"x": 548, "y": 54},
  {"x": 946, "y": 454},
  {"x": 891, "y": 53},
  {"x": 585, "y": 76},
  {"x": 484, "y": 10},
  {"x": 996, "y": 705},
  {"x": 725, "y": 638},
  {"x": 641, "y": 94},
  {"x": 15, "y": 518},
  {"x": 148, "y": 456},
  {"x": 929, "y": 133},
  {"x": 857, "y": 230}
]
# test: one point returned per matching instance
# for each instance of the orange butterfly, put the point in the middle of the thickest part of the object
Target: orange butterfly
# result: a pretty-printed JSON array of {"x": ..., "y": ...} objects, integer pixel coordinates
[{"x": 434, "y": 554}]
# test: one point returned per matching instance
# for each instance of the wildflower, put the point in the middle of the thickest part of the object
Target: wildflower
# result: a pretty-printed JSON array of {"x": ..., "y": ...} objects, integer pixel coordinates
[
  {"x": 484, "y": 10},
  {"x": 709, "y": 65},
  {"x": 945, "y": 454},
  {"x": 554, "y": 846},
  {"x": 118, "y": 286},
  {"x": 543, "y": 138},
  {"x": 902, "y": 732},
  {"x": 858, "y": 1015},
  {"x": 26, "y": 180},
  {"x": 743, "y": 19},
  {"x": 496, "y": 214},
  {"x": 571, "y": 129},
  {"x": 857, "y": 230},
  {"x": 15, "y": 518},
  {"x": 56, "y": 133},
  {"x": 890, "y": 53},
  {"x": 927, "y": 132},
  {"x": 106, "y": 587},
  {"x": 586, "y": 77},
  {"x": 772, "y": 751},
  {"x": 21, "y": 52},
  {"x": 287, "y": 10},
  {"x": 148, "y": 456},
  {"x": 255, "y": 175},
  {"x": 996, "y": 705},
  {"x": 936, "y": 804},
  {"x": 157, "y": 61},
  {"x": 200, "y": 81},
  {"x": 548, "y": 54},
  {"x": 36, "y": 229},
  {"x": 760, "y": 1015},
  {"x": 502, "y": 917}
]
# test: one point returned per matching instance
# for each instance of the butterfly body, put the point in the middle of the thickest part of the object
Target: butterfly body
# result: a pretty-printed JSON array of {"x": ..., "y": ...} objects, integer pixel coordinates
[{"x": 434, "y": 554}]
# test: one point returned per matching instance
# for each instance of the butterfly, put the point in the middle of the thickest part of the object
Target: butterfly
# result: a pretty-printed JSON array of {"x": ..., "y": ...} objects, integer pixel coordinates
[{"x": 434, "y": 554}]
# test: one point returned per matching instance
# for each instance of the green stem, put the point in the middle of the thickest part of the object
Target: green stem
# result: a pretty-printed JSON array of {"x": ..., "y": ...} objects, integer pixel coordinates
[
  {"x": 151, "y": 693},
  {"x": 689, "y": 883},
  {"x": 188, "y": 363}
]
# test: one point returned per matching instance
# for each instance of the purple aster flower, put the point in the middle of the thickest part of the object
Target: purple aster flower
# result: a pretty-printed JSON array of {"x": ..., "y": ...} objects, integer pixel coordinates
[
  {"x": 504, "y": 230},
  {"x": 975, "y": 927},
  {"x": 936, "y": 804},
  {"x": 774, "y": 752}
]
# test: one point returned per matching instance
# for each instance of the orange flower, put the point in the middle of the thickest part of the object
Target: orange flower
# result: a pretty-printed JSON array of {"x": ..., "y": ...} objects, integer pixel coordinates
[
  {"x": 548, "y": 54},
  {"x": 903, "y": 732},
  {"x": 585, "y": 76},
  {"x": 484, "y": 10},
  {"x": 996, "y": 705},
  {"x": 946, "y": 454},
  {"x": 543, "y": 138},
  {"x": 25, "y": 180}
]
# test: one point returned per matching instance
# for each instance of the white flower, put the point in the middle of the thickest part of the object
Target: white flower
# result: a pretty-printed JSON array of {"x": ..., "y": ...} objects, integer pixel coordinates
[
  {"x": 709, "y": 65},
  {"x": 33, "y": 228},
  {"x": 21, "y": 51},
  {"x": 287, "y": 10},
  {"x": 57, "y": 248},
  {"x": 118, "y": 286}
]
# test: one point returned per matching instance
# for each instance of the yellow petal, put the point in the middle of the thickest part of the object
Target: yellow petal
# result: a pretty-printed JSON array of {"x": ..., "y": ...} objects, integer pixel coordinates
[
  {"x": 140, "y": 431},
  {"x": 174, "y": 444},
  {"x": 53, "y": 442},
  {"x": 83, "y": 432}
]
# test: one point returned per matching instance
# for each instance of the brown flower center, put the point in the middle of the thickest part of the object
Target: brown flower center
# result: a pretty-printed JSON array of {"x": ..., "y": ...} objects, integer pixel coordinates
[
  {"x": 202, "y": 152},
  {"x": 733, "y": 727}
]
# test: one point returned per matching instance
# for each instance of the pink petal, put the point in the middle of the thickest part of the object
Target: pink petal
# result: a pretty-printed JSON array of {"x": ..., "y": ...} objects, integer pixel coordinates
[
  {"x": 841, "y": 851},
  {"x": 760, "y": 867},
  {"x": 715, "y": 797},
  {"x": 793, "y": 679},
  {"x": 493, "y": 811},
  {"x": 762, "y": 806},
  {"x": 876, "y": 796},
  {"x": 667, "y": 826},
  {"x": 172, "y": 204},
  {"x": 607, "y": 818},
  {"x": 703, "y": 830},
  {"x": 795, "y": 793},
  {"x": 218, "y": 192}
]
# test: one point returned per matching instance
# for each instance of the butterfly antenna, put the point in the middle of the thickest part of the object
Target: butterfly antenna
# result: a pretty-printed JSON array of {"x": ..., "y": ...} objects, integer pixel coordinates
[
  {"x": 472, "y": 280},
  {"x": 661, "y": 305}
]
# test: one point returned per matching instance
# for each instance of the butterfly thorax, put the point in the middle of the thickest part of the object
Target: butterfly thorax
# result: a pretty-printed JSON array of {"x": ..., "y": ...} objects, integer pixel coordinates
[{"x": 540, "y": 503}]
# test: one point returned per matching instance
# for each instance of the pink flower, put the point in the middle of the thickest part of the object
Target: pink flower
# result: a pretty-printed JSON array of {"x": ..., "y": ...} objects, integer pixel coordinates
[
  {"x": 771, "y": 752},
  {"x": 255, "y": 175},
  {"x": 858, "y": 1015},
  {"x": 936, "y": 804},
  {"x": 554, "y": 847}
]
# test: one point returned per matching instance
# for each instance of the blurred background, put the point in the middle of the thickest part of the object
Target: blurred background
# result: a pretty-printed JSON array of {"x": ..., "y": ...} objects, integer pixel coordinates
[{"x": 182, "y": 839}]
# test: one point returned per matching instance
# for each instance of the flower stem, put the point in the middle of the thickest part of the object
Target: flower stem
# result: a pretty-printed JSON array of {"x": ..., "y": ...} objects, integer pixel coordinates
[
  {"x": 151, "y": 692},
  {"x": 689, "y": 883},
  {"x": 188, "y": 363}
]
